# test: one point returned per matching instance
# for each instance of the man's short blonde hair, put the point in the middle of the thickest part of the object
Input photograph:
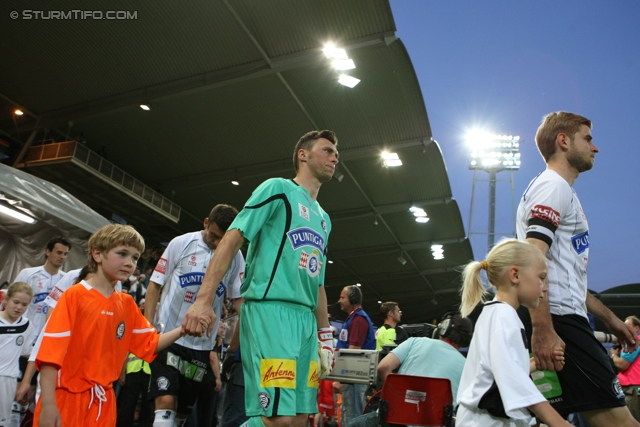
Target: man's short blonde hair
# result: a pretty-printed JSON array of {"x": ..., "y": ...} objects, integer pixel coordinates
[
  {"x": 554, "y": 124},
  {"x": 110, "y": 236}
]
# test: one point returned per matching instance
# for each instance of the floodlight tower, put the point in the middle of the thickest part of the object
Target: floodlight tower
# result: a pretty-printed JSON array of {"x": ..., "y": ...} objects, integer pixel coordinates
[{"x": 493, "y": 153}]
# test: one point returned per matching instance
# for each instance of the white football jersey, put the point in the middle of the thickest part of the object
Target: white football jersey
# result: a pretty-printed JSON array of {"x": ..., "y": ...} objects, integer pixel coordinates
[
  {"x": 180, "y": 272},
  {"x": 496, "y": 374},
  {"x": 550, "y": 211},
  {"x": 16, "y": 340},
  {"x": 42, "y": 284}
]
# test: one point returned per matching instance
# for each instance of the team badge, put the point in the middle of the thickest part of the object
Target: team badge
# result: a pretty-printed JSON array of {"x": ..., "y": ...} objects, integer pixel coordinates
[
  {"x": 162, "y": 383},
  {"x": 310, "y": 262},
  {"x": 304, "y": 211},
  {"x": 120, "y": 330},
  {"x": 265, "y": 400},
  {"x": 617, "y": 388},
  {"x": 323, "y": 223},
  {"x": 19, "y": 340}
]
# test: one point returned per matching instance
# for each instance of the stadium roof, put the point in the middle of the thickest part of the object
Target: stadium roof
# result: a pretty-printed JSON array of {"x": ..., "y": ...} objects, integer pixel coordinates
[{"x": 231, "y": 86}]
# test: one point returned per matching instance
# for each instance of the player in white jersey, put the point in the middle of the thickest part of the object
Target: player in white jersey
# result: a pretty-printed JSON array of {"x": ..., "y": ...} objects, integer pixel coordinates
[
  {"x": 551, "y": 218},
  {"x": 178, "y": 371},
  {"x": 42, "y": 280}
]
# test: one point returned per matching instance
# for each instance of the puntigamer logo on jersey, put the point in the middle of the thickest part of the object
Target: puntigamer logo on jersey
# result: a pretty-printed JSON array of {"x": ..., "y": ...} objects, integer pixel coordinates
[
  {"x": 580, "y": 242},
  {"x": 191, "y": 279},
  {"x": 38, "y": 298},
  {"x": 306, "y": 237}
]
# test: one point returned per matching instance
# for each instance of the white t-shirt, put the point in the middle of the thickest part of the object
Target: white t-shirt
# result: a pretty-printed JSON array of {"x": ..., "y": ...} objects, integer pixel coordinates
[
  {"x": 42, "y": 283},
  {"x": 497, "y": 367},
  {"x": 550, "y": 211},
  {"x": 16, "y": 340},
  {"x": 180, "y": 271}
]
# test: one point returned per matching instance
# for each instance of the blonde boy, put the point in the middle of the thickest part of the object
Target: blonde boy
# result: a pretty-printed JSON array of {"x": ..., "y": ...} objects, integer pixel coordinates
[{"x": 90, "y": 333}]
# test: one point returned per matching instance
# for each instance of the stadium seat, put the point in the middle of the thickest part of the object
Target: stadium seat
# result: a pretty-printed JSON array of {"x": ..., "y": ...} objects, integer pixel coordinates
[{"x": 416, "y": 401}]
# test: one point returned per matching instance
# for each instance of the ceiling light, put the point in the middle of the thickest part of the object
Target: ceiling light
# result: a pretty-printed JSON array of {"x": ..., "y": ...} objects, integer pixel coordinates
[
  {"x": 434, "y": 301},
  {"x": 358, "y": 284},
  {"x": 379, "y": 302},
  {"x": 401, "y": 260},
  {"x": 17, "y": 215},
  {"x": 422, "y": 219},
  {"x": 145, "y": 107},
  {"x": 343, "y": 64},
  {"x": 18, "y": 112},
  {"x": 235, "y": 182},
  {"x": 330, "y": 262},
  {"x": 348, "y": 81},
  {"x": 338, "y": 176},
  {"x": 391, "y": 159},
  {"x": 332, "y": 52}
]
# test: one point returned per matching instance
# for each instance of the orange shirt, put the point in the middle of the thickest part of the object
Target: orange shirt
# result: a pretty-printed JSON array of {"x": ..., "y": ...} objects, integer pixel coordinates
[{"x": 88, "y": 337}]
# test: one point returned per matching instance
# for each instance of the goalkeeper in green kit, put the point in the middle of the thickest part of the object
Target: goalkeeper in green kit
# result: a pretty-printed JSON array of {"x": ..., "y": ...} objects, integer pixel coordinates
[{"x": 285, "y": 337}]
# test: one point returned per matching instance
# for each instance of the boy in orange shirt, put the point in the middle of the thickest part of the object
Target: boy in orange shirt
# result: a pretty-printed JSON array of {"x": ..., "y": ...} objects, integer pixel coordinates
[{"x": 89, "y": 335}]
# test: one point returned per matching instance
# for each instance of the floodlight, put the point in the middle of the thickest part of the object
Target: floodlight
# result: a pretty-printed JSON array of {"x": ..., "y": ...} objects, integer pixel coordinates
[
  {"x": 235, "y": 182},
  {"x": 422, "y": 219},
  {"x": 343, "y": 64},
  {"x": 358, "y": 284},
  {"x": 332, "y": 52},
  {"x": 145, "y": 107},
  {"x": 17, "y": 215},
  {"x": 391, "y": 159},
  {"x": 492, "y": 151},
  {"x": 348, "y": 81},
  {"x": 18, "y": 112}
]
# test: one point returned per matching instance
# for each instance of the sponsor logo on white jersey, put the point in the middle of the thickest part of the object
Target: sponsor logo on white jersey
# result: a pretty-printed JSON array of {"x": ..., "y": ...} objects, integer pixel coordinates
[
  {"x": 545, "y": 213},
  {"x": 580, "y": 242},
  {"x": 191, "y": 279}
]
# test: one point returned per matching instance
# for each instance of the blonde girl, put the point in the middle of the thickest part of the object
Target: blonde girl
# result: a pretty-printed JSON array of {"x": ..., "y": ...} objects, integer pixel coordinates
[
  {"x": 495, "y": 389},
  {"x": 16, "y": 336}
]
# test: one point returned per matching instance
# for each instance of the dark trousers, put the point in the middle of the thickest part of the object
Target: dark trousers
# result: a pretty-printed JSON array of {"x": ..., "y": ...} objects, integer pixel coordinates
[
  {"x": 136, "y": 384},
  {"x": 234, "y": 414}
]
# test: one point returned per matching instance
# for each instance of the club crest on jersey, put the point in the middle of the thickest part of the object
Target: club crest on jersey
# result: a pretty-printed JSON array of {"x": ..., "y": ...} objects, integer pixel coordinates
[
  {"x": 265, "y": 400},
  {"x": 580, "y": 242},
  {"x": 304, "y": 211},
  {"x": 191, "y": 279},
  {"x": 305, "y": 236},
  {"x": 192, "y": 262},
  {"x": 162, "y": 383},
  {"x": 323, "y": 223},
  {"x": 19, "y": 340},
  {"x": 120, "y": 330},
  {"x": 310, "y": 262},
  {"x": 220, "y": 290}
]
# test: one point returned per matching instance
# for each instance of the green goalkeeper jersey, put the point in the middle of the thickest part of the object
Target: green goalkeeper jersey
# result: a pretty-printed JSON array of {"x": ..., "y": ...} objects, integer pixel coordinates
[{"x": 287, "y": 233}]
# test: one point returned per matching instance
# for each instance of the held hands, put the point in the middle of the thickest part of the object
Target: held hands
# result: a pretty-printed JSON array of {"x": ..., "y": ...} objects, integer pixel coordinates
[
  {"x": 199, "y": 320},
  {"x": 548, "y": 349},
  {"x": 625, "y": 333},
  {"x": 325, "y": 352}
]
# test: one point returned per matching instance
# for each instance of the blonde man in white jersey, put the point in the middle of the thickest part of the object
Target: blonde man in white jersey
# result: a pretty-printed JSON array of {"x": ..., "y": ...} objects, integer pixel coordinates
[
  {"x": 178, "y": 372},
  {"x": 551, "y": 218}
]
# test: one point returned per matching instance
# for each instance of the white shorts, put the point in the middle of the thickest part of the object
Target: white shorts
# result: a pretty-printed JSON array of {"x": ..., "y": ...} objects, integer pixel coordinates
[{"x": 8, "y": 386}]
